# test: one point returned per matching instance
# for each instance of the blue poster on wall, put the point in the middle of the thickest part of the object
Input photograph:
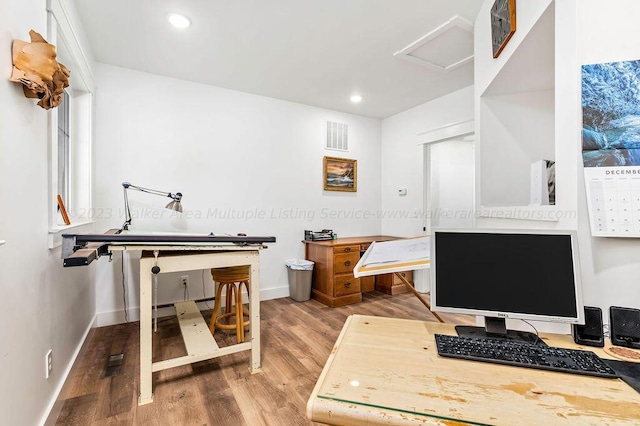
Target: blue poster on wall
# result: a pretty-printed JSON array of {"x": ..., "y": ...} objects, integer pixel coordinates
[{"x": 611, "y": 147}]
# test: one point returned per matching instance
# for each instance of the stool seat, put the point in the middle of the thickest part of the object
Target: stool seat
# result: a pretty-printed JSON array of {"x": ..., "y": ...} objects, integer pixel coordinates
[{"x": 230, "y": 279}]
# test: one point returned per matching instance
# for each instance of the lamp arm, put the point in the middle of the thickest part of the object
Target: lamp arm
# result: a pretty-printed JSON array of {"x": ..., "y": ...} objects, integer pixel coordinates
[
  {"x": 176, "y": 196},
  {"x": 127, "y": 210}
]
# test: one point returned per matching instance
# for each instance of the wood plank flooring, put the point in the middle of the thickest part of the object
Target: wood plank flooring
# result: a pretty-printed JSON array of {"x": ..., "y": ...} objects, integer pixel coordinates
[{"x": 297, "y": 338}]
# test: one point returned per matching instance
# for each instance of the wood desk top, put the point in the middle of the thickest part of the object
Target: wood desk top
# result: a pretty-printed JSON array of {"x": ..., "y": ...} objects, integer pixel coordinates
[
  {"x": 387, "y": 371},
  {"x": 352, "y": 240}
]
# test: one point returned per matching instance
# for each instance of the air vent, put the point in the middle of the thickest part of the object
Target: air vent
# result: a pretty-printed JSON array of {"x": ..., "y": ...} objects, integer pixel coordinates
[
  {"x": 337, "y": 136},
  {"x": 445, "y": 48},
  {"x": 114, "y": 365}
]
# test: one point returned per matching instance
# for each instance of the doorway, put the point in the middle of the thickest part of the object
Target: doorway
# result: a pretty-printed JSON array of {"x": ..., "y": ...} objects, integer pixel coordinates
[
  {"x": 450, "y": 187},
  {"x": 449, "y": 182}
]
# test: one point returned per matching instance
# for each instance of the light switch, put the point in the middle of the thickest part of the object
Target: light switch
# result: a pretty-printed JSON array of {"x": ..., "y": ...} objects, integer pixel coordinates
[{"x": 402, "y": 191}]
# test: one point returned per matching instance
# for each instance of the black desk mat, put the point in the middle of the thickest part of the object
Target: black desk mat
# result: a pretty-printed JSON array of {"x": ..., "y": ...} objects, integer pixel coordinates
[{"x": 629, "y": 372}]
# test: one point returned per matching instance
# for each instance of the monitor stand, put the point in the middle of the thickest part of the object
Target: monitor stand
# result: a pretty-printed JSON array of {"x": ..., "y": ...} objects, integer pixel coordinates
[{"x": 496, "y": 328}]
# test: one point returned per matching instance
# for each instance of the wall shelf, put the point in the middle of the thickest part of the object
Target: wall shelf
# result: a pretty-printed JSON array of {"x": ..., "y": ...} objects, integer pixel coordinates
[{"x": 516, "y": 126}]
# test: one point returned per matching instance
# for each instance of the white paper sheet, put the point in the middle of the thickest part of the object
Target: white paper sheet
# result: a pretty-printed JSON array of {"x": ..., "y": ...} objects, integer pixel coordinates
[{"x": 404, "y": 250}]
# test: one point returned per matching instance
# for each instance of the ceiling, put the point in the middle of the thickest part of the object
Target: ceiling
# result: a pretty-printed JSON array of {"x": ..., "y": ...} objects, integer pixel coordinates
[{"x": 313, "y": 52}]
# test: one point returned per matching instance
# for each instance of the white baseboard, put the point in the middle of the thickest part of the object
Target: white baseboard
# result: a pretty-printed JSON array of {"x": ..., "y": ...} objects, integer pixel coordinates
[
  {"x": 55, "y": 405},
  {"x": 274, "y": 293},
  {"x": 118, "y": 317}
]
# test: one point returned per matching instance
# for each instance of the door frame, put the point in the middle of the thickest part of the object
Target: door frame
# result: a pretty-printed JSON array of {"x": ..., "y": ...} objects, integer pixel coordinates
[{"x": 457, "y": 130}]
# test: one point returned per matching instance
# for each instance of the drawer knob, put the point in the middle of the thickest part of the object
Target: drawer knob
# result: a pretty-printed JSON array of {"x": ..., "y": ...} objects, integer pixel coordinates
[
  {"x": 403, "y": 274},
  {"x": 347, "y": 263},
  {"x": 348, "y": 249},
  {"x": 347, "y": 284}
]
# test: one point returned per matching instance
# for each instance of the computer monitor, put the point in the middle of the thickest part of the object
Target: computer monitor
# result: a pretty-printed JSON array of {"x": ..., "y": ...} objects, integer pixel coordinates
[{"x": 500, "y": 274}]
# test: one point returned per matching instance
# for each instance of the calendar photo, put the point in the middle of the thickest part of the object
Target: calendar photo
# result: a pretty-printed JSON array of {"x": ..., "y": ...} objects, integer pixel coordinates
[
  {"x": 611, "y": 147},
  {"x": 611, "y": 114}
]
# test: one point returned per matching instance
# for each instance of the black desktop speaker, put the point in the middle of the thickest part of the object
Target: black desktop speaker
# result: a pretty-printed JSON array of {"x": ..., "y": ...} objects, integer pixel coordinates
[
  {"x": 589, "y": 334},
  {"x": 625, "y": 326}
]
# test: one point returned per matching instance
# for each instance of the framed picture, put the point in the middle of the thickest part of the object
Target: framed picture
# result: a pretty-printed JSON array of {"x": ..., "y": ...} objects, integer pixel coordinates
[
  {"x": 503, "y": 24},
  {"x": 340, "y": 174}
]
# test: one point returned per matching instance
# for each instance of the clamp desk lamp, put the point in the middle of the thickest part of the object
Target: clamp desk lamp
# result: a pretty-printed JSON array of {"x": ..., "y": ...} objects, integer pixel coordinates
[{"x": 174, "y": 204}]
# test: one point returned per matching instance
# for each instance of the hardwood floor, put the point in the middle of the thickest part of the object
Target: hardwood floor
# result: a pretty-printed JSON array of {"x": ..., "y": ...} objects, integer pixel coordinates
[{"x": 297, "y": 338}]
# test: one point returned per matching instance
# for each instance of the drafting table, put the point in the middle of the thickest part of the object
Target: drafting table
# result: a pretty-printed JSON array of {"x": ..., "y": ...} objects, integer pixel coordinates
[
  {"x": 174, "y": 253},
  {"x": 394, "y": 257}
]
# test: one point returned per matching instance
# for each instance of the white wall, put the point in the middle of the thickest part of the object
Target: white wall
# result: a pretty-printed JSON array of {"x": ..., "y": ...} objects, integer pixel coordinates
[
  {"x": 607, "y": 31},
  {"x": 244, "y": 163},
  {"x": 588, "y": 31},
  {"x": 451, "y": 184},
  {"x": 403, "y": 159},
  {"x": 44, "y": 306},
  {"x": 403, "y": 164}
]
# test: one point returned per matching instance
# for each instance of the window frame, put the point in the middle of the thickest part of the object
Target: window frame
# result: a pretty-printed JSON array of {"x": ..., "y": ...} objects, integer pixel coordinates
[
  {"x": 62, "y": 34},
  {"x": 64, "y": 148}
]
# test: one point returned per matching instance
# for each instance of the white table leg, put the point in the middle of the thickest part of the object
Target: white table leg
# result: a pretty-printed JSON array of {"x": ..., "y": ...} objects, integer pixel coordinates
[
  {"x": 146, "y": 391},
  {"x": 188, "y": 262},
  {"x": 254, "y": 313}
]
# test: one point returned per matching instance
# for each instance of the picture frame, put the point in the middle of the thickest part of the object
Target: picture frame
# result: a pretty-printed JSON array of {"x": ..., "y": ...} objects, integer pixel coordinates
[
  {"x": 503, "y": 24},
  {"x": 340, "y": 174},
  {"x": 63, "y": 211}
]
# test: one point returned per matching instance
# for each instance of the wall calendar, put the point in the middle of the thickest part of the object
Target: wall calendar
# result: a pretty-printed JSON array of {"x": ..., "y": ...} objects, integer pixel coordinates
[
  {"x": 611, "y": 147},
  {"x": 613, "y": 196}
]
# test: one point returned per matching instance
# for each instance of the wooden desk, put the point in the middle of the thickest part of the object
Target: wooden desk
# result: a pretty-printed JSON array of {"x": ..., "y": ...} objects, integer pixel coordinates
[
  {"x": 333, "y": 280},
  {"x": 359, "y": 385},
  {"x": 198, "y": 340}
]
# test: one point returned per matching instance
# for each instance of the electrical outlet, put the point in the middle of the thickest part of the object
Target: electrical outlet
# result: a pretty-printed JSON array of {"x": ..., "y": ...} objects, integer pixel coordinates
[
  {"x": 48, "y": 360},
  {"x": 184, "y": 280}
]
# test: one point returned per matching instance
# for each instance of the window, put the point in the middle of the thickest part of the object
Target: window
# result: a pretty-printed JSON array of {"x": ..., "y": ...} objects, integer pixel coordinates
[
  {"x": 63, "y": 149},
  {"x": 70, "y": 129}
]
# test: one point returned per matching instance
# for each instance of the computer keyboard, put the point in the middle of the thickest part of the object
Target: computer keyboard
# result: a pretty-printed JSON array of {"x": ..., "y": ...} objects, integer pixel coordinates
[{"x": 522, "y": 354}]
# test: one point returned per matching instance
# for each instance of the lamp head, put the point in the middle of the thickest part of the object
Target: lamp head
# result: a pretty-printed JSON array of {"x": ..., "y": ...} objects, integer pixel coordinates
[{"x": 175, "y": 204}]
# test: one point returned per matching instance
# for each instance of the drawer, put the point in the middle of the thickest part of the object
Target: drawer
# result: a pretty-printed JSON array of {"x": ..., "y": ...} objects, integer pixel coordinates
[
  {"x": 346, "y": 249},
  {"x": 345, "y": 284},
  {"x": 407, "y": 275},
  {"x": 345, "y": 262}
]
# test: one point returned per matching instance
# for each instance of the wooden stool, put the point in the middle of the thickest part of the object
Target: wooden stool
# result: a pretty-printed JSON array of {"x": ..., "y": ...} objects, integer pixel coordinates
[{"x": 231, "y": 279}]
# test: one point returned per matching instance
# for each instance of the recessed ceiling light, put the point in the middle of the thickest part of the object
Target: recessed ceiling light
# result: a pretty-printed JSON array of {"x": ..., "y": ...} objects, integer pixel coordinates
[
  {"x": 178, "y": 21},
  {"x": 356, "y": 99}
]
